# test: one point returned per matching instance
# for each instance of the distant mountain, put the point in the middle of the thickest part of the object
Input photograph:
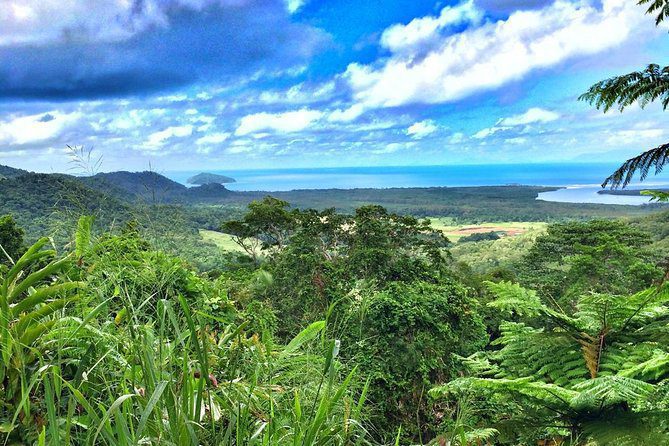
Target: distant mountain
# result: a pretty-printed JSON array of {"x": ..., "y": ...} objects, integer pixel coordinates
[
  {"x": 210, "y": 178},
  {"x": 47, "y": 203},
  {"x": 132, "y": 186},
  {"x": 153, "y": 188}
]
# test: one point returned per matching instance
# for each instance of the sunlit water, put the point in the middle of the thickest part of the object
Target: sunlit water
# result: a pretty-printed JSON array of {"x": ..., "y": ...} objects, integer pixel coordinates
[{"x": 579, "y": 180}]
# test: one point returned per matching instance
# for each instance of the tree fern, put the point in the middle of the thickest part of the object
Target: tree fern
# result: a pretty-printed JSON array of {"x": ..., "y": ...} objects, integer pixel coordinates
[{"x": 573, "y": 371}]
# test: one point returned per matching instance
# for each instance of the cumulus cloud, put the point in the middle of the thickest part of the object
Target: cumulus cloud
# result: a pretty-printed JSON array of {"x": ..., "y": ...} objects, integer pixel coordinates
[
  {"x": 424, "y": 31},
  {"x": 286, "y": 122},
  {"x": 531, "y": 116},
  {"x": 484, "y": 133},
  {"x": 534, "y": 115},
  {"x": 39, "y": 128},
  {"x": 294, "y": 5},
  {"x": 346, "y": 115},
  {"x": 422, "y": 129},
  {"x": 96, "y": 48},
  {"x": 158, "y": 139},
  {"x": 299, "y": 94},
  {"x": 213, "y": 138},
  {"x": 635, "y": 136},
  {"x": 493, "y": 54},
  {"x": 392, "y": 148}
]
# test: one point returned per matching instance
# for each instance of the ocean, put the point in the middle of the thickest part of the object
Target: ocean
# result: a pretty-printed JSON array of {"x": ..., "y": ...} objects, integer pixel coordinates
[{"x": 581, "y": 181}]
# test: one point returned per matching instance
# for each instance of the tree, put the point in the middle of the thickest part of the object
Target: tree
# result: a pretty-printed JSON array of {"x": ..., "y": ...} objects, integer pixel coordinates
[
  {"x": 580, "y": 257},
  {"x": 640, "y": 87},
  {"x": 405, "y": 339},
  {"x": 585, "y": 378},
  {"x": 267, "y": 225},
  {"x": 11, "y": 240}
]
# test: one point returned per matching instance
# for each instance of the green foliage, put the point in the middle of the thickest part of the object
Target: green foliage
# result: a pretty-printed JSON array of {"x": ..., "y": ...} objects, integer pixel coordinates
[
  {"x": 572, "y": 374},
  {"x": 173, "y": 367},
  {"x": 405, "y": 339},
  {"x": 597, "y": 256},
  {"x": 11, "y": 240},
  {"x": 479, "y": 236},
  {"x": 29, "y": 300}
]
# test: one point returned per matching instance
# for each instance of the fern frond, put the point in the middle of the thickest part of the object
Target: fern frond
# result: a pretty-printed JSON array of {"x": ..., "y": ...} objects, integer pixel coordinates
[
  {"x": 658, "y": 7},
  {"x": 513, "y": 298},
  {"x": 655, "y": 159},
  {"x": 640, "y": 87},
  {"x": 628, "y": 429},
  {"x": 610, "y": 390}
]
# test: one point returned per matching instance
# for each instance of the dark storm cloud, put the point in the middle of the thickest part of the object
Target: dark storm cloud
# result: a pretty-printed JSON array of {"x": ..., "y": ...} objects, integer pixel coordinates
[{"x": 214, "y": 44}]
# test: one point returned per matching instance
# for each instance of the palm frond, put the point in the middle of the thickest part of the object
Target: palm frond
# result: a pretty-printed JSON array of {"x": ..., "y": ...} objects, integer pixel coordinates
[
  {"x": 658, "y": 7},
  {"x": 641, "y": 87},
  {"x": 655, "y": 158}
]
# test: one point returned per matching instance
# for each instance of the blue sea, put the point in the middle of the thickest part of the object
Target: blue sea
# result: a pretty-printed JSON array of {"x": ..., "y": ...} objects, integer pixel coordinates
[{"x": 580, "y": 181}]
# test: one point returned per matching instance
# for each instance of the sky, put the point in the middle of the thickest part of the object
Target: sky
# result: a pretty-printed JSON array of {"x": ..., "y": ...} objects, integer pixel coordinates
[{"x": 245, "y": 84}]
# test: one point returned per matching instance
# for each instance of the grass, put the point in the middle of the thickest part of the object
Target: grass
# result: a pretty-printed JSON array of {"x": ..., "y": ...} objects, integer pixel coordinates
[
  {"x": 512, "y": 228},
  {"x": 223, "y": 241}
]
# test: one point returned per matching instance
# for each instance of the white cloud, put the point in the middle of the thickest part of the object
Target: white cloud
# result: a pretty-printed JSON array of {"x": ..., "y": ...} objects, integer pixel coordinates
[
  {"x": 531, "y": 116},
  {"x": 534, "y": 115},
  {"x": 299, "y": 94},
  {"x": 422, "y": 129},
  {"x": 294, "y": 5},
  {"x": 457, "y": 138},
  {"x": 37, "y": 128},
  {"x": 213, "y": 138},
  {"x": 517, "y": 140},
  {"x": 489, "y": 56},
  {"x": 393, "y": 147},
  {"x": 292, "y": 121},
  {"x": 484, "y": 133},
  {"x": 425, "y": 30},
  {"x": 635, "y": 136},
  {"x": 133, "y": 119},
  {"x": 159, "y": 139},
  {"x": 347, "y": 115}
]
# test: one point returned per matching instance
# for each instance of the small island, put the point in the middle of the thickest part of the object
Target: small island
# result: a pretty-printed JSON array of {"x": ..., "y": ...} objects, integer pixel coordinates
[{"x": 209, "y": 178}]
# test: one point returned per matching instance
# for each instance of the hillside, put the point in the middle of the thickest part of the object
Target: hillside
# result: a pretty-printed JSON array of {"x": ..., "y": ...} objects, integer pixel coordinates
[
  {"x": 10, "y": 172},
  {"x": 152, "y": 188},
  {"x": 46, "y": 203},
  {"x": 147, "y": 185}
]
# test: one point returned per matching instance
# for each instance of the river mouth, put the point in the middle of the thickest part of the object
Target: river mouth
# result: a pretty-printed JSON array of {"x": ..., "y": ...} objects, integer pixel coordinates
[{"x": 590, "y": 193}]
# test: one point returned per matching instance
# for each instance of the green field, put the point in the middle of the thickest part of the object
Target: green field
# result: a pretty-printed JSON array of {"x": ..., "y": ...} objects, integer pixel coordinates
[
  {"x": 455, "y": 232},
  {"x": 223, "y": 241}
]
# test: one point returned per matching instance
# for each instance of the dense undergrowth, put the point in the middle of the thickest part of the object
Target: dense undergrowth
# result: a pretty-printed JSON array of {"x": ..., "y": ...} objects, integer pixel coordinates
[{"x": 336, "y": 329}]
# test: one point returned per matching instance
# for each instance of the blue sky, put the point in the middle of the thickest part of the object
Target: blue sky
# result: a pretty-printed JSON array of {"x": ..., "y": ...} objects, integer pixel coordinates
[{"x": 240, "y": 84}]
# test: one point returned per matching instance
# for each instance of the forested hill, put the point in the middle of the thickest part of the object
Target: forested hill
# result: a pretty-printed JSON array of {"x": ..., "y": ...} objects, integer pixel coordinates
[
  {"x": 39, "y": 201},
  {"x": 10, "y": 172},
  {"x": 137, "y": 185}
]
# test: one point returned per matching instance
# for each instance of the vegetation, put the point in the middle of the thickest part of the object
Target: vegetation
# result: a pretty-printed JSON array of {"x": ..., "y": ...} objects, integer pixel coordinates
[
  {"x": 209, "y": 178},
  {"x": 321, "y": 327},
  {"x": 205, "y": 316},
  {"x": 594, "y": 376}
]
